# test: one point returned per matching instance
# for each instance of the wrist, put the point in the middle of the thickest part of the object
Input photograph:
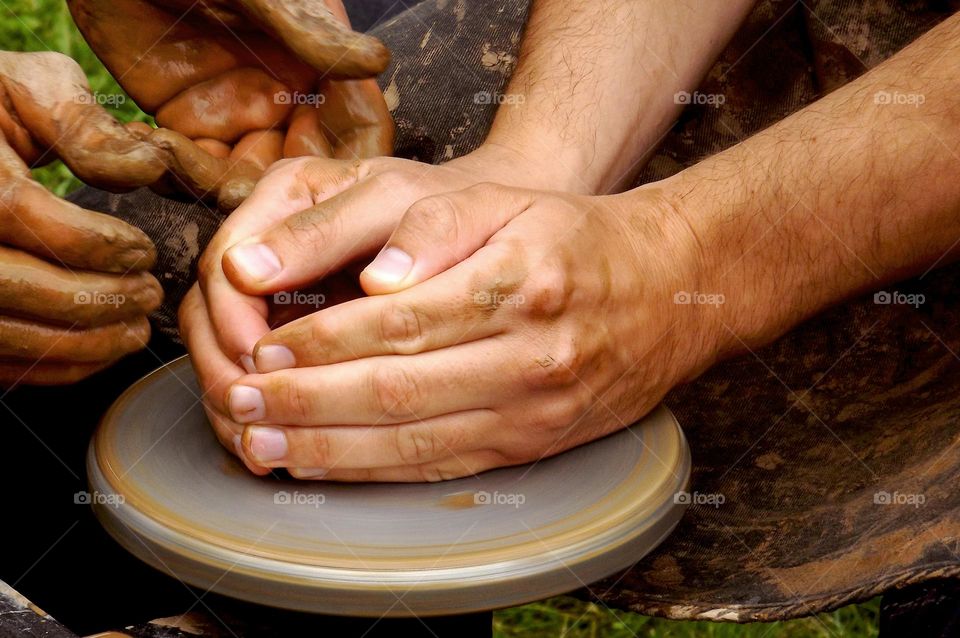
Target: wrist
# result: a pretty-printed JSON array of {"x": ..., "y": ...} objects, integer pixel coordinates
[
  {"x": 670, "y": 257},
  {"x": 738, "y": 293},
  {"x": 521, "y": 166}
]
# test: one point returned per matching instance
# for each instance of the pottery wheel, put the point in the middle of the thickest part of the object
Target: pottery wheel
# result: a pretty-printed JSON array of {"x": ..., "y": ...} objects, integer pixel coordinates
[{"x": 165, "y": 489}]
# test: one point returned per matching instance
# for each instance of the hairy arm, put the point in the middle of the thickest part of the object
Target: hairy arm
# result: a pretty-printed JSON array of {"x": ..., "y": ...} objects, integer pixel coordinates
[
  {"x": 855, "y": 191},
  {"x": 594, "y": 88}
]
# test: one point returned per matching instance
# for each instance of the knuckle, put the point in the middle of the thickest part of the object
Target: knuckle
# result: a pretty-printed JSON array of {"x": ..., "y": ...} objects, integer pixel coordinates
[
  {"x": 320, "y": 449},
  {"x": 558, "y": 368},
  {"x": 289, "y": 396},
  {"x": 552, "y": 417},
  {"x": 321, "y": 176},
  {"x": 416, "y": 445},
  {"x": 11, "y": 198},
  {"x": 515, "y": 455},
  {"x": 320, "y": 337},
  {"x": 400, "y": 328},
  {"x": 548, "y": 292},
  {"x": 519, "y": 447},
  {"x": 314, "y": 228},
  {"x": 566, "y": 411},
  {"x": 431, "y": 474},
  {"x": 288, "y": 166},
  {"x": 396, "y": 392},
  {"x": 446, "y": 474},
  {"x": 436, "y": 215}
]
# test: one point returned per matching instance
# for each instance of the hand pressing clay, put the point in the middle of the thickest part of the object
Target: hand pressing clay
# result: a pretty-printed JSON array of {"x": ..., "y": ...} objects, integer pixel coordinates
[
  {"x": 242, "y": 84},
  {"x": 74, "y": 286}
]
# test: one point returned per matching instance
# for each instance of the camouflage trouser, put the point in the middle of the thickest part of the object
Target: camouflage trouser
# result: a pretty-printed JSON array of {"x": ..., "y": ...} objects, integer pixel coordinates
[{"x": 804, "y": 437}]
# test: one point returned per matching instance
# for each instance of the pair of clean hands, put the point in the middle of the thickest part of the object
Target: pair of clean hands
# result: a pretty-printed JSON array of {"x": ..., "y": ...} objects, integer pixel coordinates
[
  {"x": 444, "y": 325},
  {"x": 224, "y": 78}
]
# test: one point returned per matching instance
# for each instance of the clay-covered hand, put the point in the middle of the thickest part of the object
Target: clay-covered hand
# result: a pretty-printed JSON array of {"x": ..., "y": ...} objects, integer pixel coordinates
[
  {"x": 74, "y": 286},
  {"x": 249, "y": 81}
]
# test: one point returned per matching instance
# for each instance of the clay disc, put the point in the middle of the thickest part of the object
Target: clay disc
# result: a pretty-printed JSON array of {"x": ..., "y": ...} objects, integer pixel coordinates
[{"x": 165, "y": 489}]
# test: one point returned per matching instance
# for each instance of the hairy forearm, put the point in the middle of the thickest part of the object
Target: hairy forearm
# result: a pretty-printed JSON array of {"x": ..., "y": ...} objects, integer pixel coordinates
[
  {"x": 855, "y": 191},
  {"x": 593, "y": 92}
]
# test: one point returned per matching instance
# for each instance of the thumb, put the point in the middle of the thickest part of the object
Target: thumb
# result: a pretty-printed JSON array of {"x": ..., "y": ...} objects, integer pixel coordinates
[
  {"x": 52, "y": 100},
  {"x": 439, "y": 232},
  {"x": 320, "y": 38},
  {"x": 231, "y": 181}
]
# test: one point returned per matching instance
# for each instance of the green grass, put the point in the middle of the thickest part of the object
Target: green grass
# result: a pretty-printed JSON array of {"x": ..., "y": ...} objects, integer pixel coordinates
[
  {"x": 45, "y": 25},
  {"x": 572, "y": 618}
]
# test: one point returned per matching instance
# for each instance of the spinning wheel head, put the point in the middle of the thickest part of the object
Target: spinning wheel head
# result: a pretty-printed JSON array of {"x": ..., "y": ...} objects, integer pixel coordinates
[{"x": 168, "y": 492}]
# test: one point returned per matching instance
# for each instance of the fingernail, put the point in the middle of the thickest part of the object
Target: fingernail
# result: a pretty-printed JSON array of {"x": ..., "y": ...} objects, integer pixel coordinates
[
  {"x": 267, "y": 444},
  {"x": 246, "y": 404},
  {"x": 238, "y": 446},
  {"x": 271, "y": 358},
  {"x": 256, "y": 261},
  {"x": 247, "y": 362},
  {"x": 390, "y": 266},
  {"x": 308, "y": 472}
]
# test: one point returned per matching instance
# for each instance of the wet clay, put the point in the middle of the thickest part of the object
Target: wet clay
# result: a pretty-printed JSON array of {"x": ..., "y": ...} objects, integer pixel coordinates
[
  {"x": 52, "y": 103},
  {"x": 74, "y": 286},
  {"x": 297, "y": 85},
  {"x": 459, "y": 501},
  {"x": 230, "y": 181}
]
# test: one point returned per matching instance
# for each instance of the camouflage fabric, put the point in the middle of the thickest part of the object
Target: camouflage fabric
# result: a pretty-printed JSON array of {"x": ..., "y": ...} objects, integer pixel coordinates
[{"x": 835, "y": 450}]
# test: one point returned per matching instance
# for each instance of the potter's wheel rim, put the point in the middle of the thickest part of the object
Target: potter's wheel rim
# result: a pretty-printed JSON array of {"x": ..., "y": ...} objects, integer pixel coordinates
[{"x": 551, "y": 551}]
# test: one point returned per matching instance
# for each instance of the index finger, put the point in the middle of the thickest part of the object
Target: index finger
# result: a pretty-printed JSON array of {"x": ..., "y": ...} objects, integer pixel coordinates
[
  {"x": 309, "y": 245},
  {"x": 240, "y": 319}
]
